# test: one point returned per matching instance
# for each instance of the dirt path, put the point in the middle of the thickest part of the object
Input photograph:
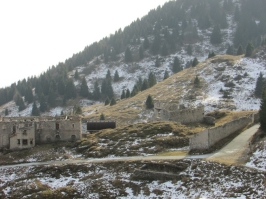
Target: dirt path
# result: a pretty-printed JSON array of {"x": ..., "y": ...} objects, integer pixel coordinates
[{"x": 236, "y": 151}]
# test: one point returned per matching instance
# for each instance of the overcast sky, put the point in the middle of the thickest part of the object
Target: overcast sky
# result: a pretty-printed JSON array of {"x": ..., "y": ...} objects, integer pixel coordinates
[{"x": 37, "y": 34}]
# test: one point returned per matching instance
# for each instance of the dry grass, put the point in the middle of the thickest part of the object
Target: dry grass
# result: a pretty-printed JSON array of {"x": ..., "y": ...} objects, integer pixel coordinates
[
  {"x": 178, "y": 87},
  {"x": 230, "y": 115}
]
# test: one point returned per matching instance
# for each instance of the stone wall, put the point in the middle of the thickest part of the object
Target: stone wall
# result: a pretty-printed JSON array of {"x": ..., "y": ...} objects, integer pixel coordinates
[
  {"x": 207, "y": 138},
  {"x": 23, "y": 138},
  {"x": 45, "y": 129},
  {"x": 174, "y": 112}
]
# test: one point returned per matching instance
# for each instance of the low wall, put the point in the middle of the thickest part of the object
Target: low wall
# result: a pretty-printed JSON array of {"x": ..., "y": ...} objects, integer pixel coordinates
[{"x": 207, "y": 138}]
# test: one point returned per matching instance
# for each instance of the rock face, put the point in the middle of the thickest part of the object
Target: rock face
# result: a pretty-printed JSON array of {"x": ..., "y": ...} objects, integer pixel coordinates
[{"x": 209, "y": 120}]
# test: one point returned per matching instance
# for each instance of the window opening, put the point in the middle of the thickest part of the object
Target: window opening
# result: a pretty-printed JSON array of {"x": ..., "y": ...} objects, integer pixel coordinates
[
  {"x": 14, "y": 128},
  {"x": 24, "y": 142},
  {"x": 18, "y": 141},
  {"x": 57, "y": 126}
]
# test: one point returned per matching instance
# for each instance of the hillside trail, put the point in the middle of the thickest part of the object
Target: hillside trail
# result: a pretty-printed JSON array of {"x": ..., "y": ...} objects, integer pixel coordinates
[
  {"x": 235, "y": 152},
  {"x": 231, "y": 153}
]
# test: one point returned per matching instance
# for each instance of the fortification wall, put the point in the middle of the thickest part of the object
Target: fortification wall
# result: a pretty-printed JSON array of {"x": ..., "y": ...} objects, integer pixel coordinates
[
  {"x": 200, "y": 140},
  {"x": 4, "y": 134},
  {"x": 23, "y": 138},
  {"x": 187, "y": 115},
  {"x": 59, "y": 130},
  {"x": 207, "y": 138},
  {"x": 220, "y": 132}
]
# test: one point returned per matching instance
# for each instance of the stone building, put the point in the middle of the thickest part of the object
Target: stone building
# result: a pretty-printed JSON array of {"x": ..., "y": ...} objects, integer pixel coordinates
[
  {"x": 172, "y": 111},
  {"x": 25, "y": 132}
]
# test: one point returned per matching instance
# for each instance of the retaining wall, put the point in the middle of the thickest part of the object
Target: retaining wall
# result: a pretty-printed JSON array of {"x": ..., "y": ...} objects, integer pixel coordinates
[{"x": 207, "y": 138}]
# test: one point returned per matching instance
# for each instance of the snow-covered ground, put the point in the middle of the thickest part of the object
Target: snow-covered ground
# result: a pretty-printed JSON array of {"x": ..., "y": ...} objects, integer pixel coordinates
[{"x": 258, "y": 158}]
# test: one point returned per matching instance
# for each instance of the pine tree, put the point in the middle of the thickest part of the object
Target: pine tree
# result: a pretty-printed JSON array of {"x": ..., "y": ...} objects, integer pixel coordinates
[
  {"x": 146, "y": 43},
  {"x": 116, "y": 76},
  {"x": 164, "y": 50},
  {"x": 43, "y": 105},
  {"x": 109, "y": 89},
  {"x": 145, "y": 85},
  {"x": 102, "y": 117},
  {"x": 135, "y": 91},
  {"x": 152, "y": 80},
  {"x": 196, "y": 82},
  {"x": 128, "y": 55},
  {"x": 113, "y": 102},
  {"x": 28, "y": 94},
  {"x": 195, "y": 62},
  {"x": 157, "y": 62},
  {"x": 96, "y": 91},
  {"x": 216, "y": 36},
  {"x": 76, "y": 76},
  {"x": 71, "y": 91},
  {"x": 123, "y": 95},
  {"x": 155, "y": 48},
  {"x": 262, "y": 111},
  {"x": 149, "y": 102},
  {"x": 237, "y": 14},
  {"x": 230, "y": 50},
  {"x": 211, "y": 54},
  {"x": 249, "y": 50},
  {"x": 141, "y": 53},
  {"x": 35, "y": 110},
  {"x": 108, "y": 74},
  {"x": 107, "y": 101},
  {"x": 51, "y": 98},
  {"x": 128, "y": 93},
  {"x": 166, "y": 75},
  {"x": 84, "y": 89},
  {"x": 240, "y": 51},
  {"x": 259, "y": 86},
  {"x": 176, "y": 65},
  {"x": 189, "y": 49}
]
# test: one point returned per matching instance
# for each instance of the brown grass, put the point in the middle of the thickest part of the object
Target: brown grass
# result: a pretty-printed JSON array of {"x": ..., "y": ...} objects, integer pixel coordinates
[{"x": 127, "y": 111}]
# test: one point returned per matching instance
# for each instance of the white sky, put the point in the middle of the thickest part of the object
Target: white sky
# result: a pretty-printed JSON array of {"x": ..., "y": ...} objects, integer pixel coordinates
[{"x": 37, "y": 34}]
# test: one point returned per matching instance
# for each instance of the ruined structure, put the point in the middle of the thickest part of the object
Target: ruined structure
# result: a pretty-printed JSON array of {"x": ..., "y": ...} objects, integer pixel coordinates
[
  {"x": 172, "y": 111},
  {"x": 25, "y": 132}
]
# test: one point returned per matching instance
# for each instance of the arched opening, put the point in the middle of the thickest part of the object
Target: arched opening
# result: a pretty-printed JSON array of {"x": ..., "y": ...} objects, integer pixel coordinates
[
  {"x": 48, "y": 138},
  {"x": 57, "y": 137},
  {"x": 73, "y": 138}
]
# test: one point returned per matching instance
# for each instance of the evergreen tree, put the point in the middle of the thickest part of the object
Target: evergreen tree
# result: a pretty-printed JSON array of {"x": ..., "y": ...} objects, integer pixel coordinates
[
  {"x": 237, "y": 14},
  {"x": 240, "y": 51},
  {"x": 116, "y": 76},
  {"x": 71, "y": 91},
  {"x": 128, "y": 93},
  {"x": 51, "y": 98},
  {"x": 176, "y": 65},
  {"x": 35, "y": 110},
  {"x": 166, "y": 75},
  {"x": 104, "y": 87},
  {"x": 84, "y": 89},
  {"x": 211, "y": 54},
  {"x": 96, "y": 91},
  {"x": 216, "y": 36},
  {"x": 259, "y": 86},
  {"x": 113, "y": 102},
  {"x": 146, "y": 43},
  {"x": 196, "y": 82},
  {"x": 149, "y": 102},
  {"x": 135, "y": 91},
  {"x": 62, "y": 113},
  {"x": 128, "y": 55},
  {"x": 109, "y": 89},
  {"x": 155, "y": 48},
  {"x": 76, "y": 76},
  {"x": 262, "y": 111},
  {"x": 141, "y": 53},
  {"x": 164, "y": 50},
  {"x": 43, "y": 104},
  {"x": 28, "y": 95},
  {"x": 157, "y": 62},
  {"x": 145, "y": 85},
  {"x": 189, "y": 49},
  {"x": 123, "y": 95},
  {"x": 102, "y": 117},
  {"x": 152, "y": 80},
  {"x": 108, "y": 74},
  {"x": 249, "y": 50},
  {"x": 230, "y": 50},
  {"x": 107, "y": 101},
  {"x": 195, "y": 62},
  {"x": 6, "y": 112}
]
